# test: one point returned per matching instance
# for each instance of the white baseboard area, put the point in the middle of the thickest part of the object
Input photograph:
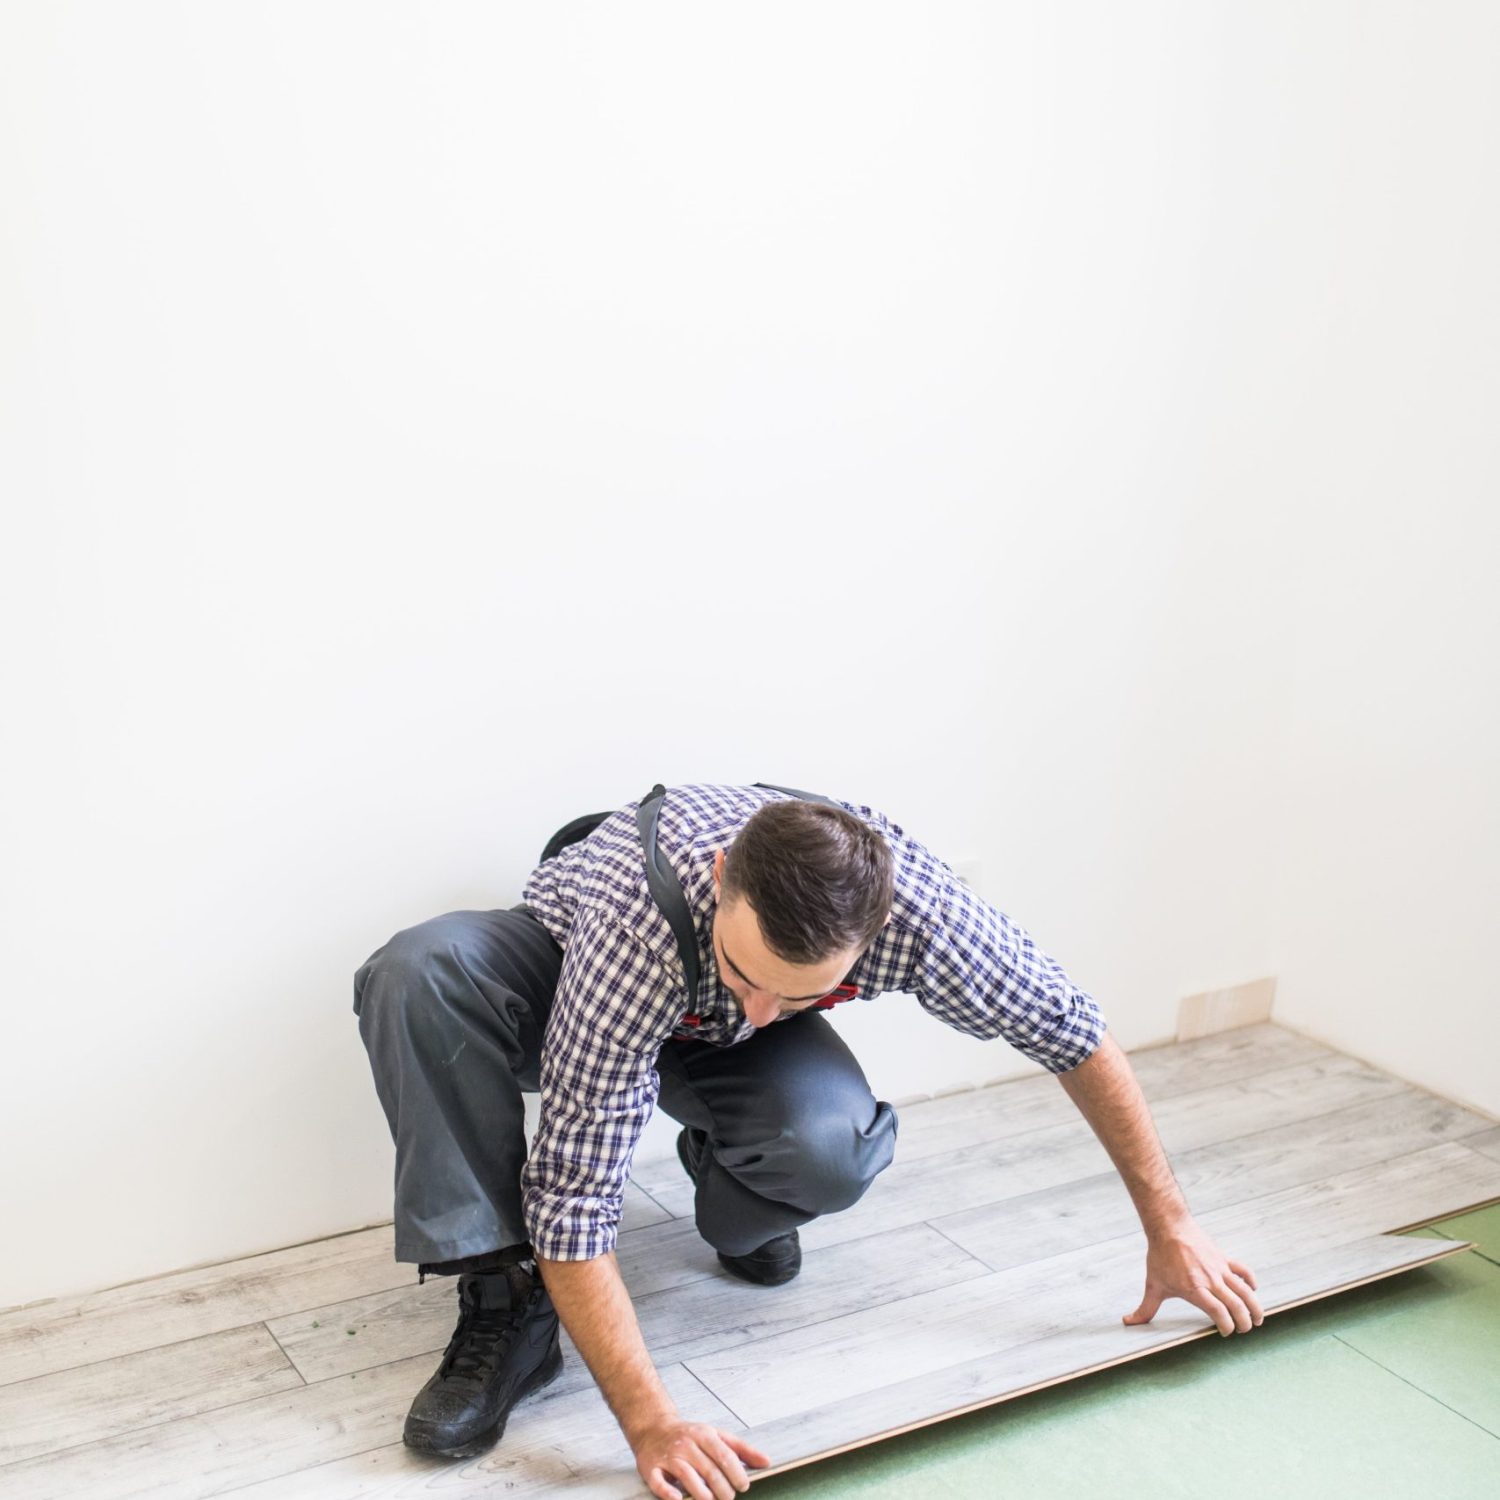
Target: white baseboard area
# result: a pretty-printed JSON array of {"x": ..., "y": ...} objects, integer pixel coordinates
[{"x": 1223, "y": 1010}]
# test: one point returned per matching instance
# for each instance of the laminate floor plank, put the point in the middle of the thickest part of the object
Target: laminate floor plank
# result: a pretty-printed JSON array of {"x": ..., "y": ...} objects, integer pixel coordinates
[
  {"x": 851, "y": 1420},
  {"x": 1399, "y": 1118},
  {"x": 880, "y": 1271},
  {"x": 411, "y": 1318},
  {"x": 132, "y": 1391},
  {"x": 1223, "y": 1057},
  {"x": 233, "y": 1445},
  {"x": 567, "y": 1446},
  {"x": 976, "y": 1116},
  {"x": 998, "y": 1252},
  {"x": 1488, "y": 1142},
  {"x": 1381, "y": 1197},
  {"x": 1303, "y": 1154},
  {"x": 189, "y": 1304},
  {"x": 712, "y": 1312},
  {"x": 269, "y": 1442},
  {"x": 71, "y": 1331},
  {"x": 863, "y": 1350},
  {"x": 639, "y": 1210},
  {"x": 1190, "y": 1116}
]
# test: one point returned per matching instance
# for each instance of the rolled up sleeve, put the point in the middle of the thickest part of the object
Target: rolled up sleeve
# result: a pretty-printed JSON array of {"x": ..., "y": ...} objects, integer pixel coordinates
[
  {"x": 982, "y": 974},
  {"x": 612, "y": 1010}
]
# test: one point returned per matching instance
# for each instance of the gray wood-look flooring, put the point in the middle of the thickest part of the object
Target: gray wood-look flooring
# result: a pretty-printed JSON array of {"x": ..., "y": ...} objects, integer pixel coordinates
[{"x": 997, "y": 1254}]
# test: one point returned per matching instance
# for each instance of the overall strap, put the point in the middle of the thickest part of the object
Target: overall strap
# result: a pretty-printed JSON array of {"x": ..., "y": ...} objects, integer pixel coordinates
[
  {"x": 792, "y": 791},
  {"x": 666, "y": 890}
]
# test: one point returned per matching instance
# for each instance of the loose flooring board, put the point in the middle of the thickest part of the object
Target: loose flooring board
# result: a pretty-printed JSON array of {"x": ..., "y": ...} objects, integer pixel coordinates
[
  {"x": 1392, "y": 1388},
  {"x": 805, "y": 1437},
  {"x": 1001, "y": 1240}
]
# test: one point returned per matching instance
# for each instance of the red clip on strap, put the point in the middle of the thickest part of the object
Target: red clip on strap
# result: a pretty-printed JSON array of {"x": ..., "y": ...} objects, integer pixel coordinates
[
  {"x": 691, "y": 1020},
  {"x": 836, "y": 997}
]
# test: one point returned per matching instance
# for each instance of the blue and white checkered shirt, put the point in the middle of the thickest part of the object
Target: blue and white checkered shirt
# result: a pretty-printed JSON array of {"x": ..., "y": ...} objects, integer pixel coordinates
[{"x": 621, "y": 993}]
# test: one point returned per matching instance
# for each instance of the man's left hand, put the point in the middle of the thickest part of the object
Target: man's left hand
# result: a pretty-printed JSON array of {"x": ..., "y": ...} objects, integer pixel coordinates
[{"x": 1184, "y": 1262}]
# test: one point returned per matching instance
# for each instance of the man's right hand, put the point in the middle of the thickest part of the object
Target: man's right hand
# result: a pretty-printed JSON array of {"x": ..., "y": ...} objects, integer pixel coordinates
[
  {"x": 675, "y": 1458},
  {"x": 678, "y": 1458}
]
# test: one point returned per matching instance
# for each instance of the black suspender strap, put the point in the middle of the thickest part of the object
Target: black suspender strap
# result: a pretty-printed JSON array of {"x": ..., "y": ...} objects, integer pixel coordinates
[
  {"x": 792, "y": 791},
  {"x": 666, "y": 890}
]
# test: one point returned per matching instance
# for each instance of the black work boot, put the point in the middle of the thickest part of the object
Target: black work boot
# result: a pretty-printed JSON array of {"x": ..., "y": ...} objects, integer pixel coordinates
[
  {"x": 505, "y": 1346},
  {"x": 775, "y": 1262}
]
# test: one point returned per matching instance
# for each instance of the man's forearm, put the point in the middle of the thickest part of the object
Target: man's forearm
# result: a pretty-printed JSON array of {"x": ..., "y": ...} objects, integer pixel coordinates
[
  {"x": 595, "y": 1308},
  {"x": 1105, "y": 1089}
]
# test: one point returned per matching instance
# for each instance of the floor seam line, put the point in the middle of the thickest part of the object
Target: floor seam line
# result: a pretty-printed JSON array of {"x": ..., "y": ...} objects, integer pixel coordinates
[
  {"x": 307, "y": 1385},
  {"x": 298, "y": 1473},
  {"x": 817, "y": 1322},
  {"x": 662, "y": 1207},
  {"x": 978, "y": 1259},
  {"x": 212, "y": 1333},
  {"x": 713, "y": 1393},
  {"x": 292, "y": 1364},
  {"x": 1412, "y": 1383}
]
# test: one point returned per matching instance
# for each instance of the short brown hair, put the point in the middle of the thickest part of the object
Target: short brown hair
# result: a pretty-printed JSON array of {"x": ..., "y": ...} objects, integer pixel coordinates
[{"x": 819, "y": 879}]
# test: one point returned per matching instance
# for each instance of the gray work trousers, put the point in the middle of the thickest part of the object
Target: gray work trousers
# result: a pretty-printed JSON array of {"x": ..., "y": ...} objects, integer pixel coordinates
[{"x": 452, "y": 1013}]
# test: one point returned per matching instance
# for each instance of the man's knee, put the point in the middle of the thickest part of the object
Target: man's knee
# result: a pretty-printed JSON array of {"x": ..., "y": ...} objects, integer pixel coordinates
[
  {"x": 401, "y": 980},
  {"x": 823, "y": 1160},
  {"x": 845, "y": 1155}
]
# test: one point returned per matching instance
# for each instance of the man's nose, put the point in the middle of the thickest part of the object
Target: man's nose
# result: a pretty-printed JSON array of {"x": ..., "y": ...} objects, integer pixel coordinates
[{"x": 761, "y": 1010}]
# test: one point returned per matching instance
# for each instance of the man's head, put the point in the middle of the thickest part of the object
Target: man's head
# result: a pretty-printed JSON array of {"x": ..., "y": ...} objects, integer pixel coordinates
[{"x": 801, "y": 893}]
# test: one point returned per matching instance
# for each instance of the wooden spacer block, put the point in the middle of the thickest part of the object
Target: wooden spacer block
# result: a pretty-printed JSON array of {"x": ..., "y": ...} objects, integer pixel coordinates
[{"x": 1222, "y": 1010}]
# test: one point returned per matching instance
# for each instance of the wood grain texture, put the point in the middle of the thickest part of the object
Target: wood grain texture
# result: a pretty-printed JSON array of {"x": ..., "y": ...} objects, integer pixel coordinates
[
  {"x": 638, "y": 1210},
  {"x": 233, "y": 1445},
  {"x": 1487, "y": 1142},
  {"x": 773, "y": 1376},
  {"x": 72, "y": 1331},
  {"x": 567, "y": 1446},
  {"x": 710, "y": 1312},
  {"x": 188, "y": 1304},
  {"x": 1296, "y": 1155},
  {"x": 997, "y": 1254},
  {"x": 974, "y": 1177},
  {"x": 804, "y": 1436},
  {"x": 1186, "y": 1118},
  {"x": 139, "y": 1390}
]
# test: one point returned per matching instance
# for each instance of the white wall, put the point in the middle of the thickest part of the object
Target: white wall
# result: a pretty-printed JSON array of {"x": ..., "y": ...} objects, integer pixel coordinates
[
  {"x": 422, "y": 425},
  {"x": 1387, "y": 881}
]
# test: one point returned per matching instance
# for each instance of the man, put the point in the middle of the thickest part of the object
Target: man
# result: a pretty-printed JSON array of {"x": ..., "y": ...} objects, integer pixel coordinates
[{"x": 580, "y": 992}]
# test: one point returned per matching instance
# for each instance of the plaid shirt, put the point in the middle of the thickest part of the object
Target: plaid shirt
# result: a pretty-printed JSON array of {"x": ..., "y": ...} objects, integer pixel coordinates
[{"x": 621, "y": 994}]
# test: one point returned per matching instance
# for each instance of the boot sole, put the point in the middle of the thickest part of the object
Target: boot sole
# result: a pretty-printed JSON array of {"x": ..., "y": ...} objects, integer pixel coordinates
[
  {"x": 779, "y": 1277},
  {"x": 544, "y": 1374}
]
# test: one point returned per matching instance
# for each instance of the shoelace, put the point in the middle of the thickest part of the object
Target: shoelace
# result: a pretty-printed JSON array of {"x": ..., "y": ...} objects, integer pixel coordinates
[{"x": 479, "y": 1341}]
